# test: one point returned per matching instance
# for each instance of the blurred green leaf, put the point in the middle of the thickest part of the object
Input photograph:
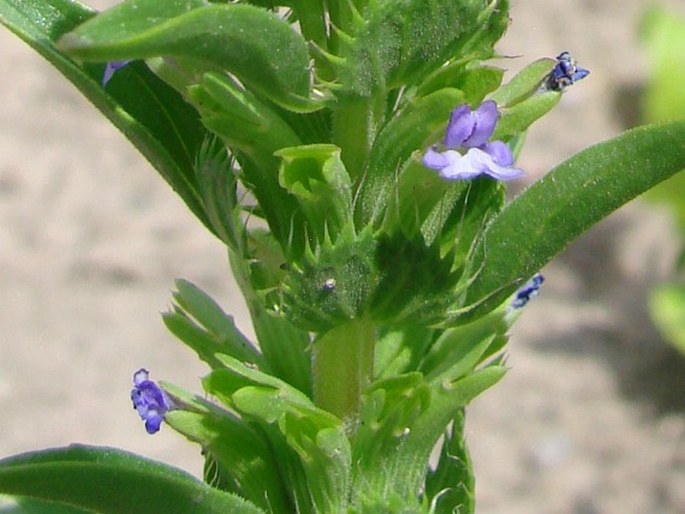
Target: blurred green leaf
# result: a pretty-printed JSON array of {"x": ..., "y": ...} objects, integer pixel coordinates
[
  {"x": 540, "y": 222},
  {"x": 154, "y": 117},
  {"x": 667, "y": 307},
  {"x": 20, "y": 505},
  {"x": 112, "y": 481},
  {"x": 255, "y": 45},
  {"x": 663, "y": 34}
]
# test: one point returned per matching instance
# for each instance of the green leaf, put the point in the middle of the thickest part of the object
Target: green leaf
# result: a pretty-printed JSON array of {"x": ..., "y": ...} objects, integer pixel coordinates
[
  {"x": 474, "y": 82},
  {"x": 20, "y": 505},
  {"x": 314, "y": 434},
  {"x": 255, "y": 45},
  {"x": 452, "y": 486},
  {"x": 154, "y": 117},
  {"x": 400, "y": 350},
  {"x": 524, "y": 83},
  {"x": 113, "y": 481},
  {"x": 243, "y": 456},
  {"x": 400, "y": 137},
  {"x": 217, "y": 182},
  {"x": 539, "y": 223},
  {"x": 254, "y": 131},
  {"x": 667, "y": 307},
  {"x": 214, "y": 332},
  {"x": 519, "y": 117},
  {"x": 400, "y": 42},
  {"x": 459, "y": 350},
  {"x": 203, "y": 308},
  {"x": 316, "y": 176},
  {"x": 285, "y": 347},
  {"x": 663, "y": 35},
  {"x": 402, "y": 420}
]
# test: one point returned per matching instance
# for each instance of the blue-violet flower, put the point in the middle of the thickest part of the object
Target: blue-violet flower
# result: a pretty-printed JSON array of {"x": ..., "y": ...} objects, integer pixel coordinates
[
  {"x": 529, "y": 290},
  {"x": 565, "y": 73},
  {"x": 110, "y": 68},
  {"x": 470, "y": 153},
  {"x": 149, "y": 400}
]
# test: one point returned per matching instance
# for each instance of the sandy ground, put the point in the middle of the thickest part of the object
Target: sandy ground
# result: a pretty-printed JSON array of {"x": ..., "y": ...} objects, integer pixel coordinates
[{"x": 590, "y": 418}]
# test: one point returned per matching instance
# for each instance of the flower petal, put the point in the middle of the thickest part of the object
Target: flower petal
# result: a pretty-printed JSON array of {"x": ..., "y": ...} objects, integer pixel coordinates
[
  {"x": 484, "y": 163},
  {"x": 460, "y": 167},
  {"x": 435, "y": 160},
  {"x": 110, "y": 68},
  {"x": 499, "y": 152},
  {"x": 460, "y": 126},
  {"x": 149, "y": 400},
  {"x": 485, "y": 119},
  {"x": 153, "y": 422}
]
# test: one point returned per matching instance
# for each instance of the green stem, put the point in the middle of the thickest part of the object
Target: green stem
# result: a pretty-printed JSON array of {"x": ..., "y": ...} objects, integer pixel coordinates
[{"x": 343, "y": 368}]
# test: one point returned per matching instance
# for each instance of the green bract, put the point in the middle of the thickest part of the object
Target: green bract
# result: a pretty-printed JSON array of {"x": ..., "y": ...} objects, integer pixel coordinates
[{"x": 295, "y": 132}]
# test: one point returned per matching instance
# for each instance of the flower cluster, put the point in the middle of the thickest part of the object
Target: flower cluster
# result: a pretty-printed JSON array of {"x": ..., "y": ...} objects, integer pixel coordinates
[{"x": 469, "y": 152}]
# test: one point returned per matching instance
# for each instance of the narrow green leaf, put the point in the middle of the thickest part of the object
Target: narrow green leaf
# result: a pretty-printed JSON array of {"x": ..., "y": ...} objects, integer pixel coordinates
[
  {"x": 219, "y": 325},
  {"x": 524, "y": 83},
  {"x": 113, "y": 481},
  {"x": 154, "y": 117},
  {"x": 252, "y": 43},
  {"x": 516, "y": 119},
  {"x": 539, "y": 223}
]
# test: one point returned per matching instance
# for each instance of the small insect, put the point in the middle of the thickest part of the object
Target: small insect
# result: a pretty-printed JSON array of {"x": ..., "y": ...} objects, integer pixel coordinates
[
  {"x": 329, "y": 284},
  {"x": 565, "y": 73}
]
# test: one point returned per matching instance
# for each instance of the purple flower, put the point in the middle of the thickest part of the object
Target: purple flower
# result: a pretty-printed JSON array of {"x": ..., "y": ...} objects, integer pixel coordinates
[
  {"x": 565, "y": 73},
  {"x": 110, "y": 68},
  {"x": 529, "y": 290},
  {"x": 149, "y": 400},
  {"x": 469, "y": 152}
]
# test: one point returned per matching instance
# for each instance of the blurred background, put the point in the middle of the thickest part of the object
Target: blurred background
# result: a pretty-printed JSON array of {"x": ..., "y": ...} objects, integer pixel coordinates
[{"x": 590, "y": 418}]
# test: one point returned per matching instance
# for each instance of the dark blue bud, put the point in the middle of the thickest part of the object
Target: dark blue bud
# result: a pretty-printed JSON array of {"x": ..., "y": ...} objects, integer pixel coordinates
[
  {"x": 529, "y": 290},
  {"x": 565, "y": 73}
]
